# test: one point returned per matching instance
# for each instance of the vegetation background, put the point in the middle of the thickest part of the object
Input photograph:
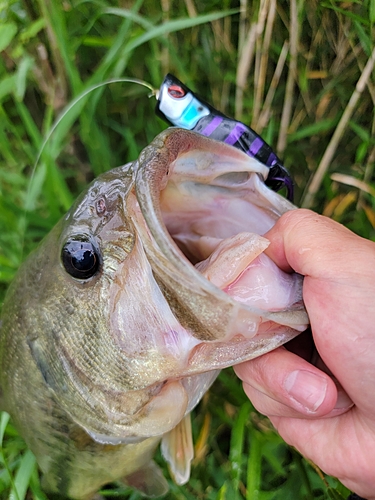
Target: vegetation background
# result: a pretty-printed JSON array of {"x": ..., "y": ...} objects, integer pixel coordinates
[{"x": 300, "y": 73}]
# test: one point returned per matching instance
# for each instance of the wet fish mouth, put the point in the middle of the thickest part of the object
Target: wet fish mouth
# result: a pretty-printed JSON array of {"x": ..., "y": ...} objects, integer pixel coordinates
[{"x": 206, "y": 208}]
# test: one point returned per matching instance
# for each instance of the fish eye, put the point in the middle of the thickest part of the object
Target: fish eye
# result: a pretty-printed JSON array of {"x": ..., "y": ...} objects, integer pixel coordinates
[
  {"x": 80, "y": 258},
  {"x": 176, "y": 91}
]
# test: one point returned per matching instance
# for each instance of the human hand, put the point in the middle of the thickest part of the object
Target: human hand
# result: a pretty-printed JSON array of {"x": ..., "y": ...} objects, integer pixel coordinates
[{"x": 326, "y": 409}]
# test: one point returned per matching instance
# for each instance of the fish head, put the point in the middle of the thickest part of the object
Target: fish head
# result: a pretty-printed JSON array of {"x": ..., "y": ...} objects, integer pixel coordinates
[{"x": 154, "y": 281}]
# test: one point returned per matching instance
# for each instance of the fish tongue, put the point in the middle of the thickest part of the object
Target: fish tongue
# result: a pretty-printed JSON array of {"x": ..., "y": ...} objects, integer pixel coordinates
[{"x": 231, "y": 257}]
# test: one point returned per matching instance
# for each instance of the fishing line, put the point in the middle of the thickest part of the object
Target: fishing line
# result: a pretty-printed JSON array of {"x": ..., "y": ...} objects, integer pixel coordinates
[{"x": 66, "y": 110}]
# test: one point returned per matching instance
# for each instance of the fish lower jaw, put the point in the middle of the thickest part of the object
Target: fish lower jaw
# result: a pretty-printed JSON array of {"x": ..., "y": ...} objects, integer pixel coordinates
[{"x": 222, "y": 355}]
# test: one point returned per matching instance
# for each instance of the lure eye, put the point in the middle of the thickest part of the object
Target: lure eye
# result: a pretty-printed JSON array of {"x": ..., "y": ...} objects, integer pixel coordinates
[
  {"x": 80, "y": 258},
  {"x": 176, "y": 91}
]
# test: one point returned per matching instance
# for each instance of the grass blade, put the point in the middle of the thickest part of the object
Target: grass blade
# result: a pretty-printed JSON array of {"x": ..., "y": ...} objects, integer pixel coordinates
[
  {"x": 254, "y": 466},
  {"x": 237, "y": 445},
  {"x": 330, "y": 151},
  {"x": 3, "y": 423},
  {"x": 177, "y": 25},
  {"x": 23, "y": 475}
]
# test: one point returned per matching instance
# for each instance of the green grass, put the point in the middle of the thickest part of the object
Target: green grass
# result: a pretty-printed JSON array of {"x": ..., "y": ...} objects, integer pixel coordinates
[{"x": 54, "y": 51}]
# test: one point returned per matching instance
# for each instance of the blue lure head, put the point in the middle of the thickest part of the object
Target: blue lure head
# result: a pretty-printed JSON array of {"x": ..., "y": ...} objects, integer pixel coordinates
[{"x": 179, "y": 106}]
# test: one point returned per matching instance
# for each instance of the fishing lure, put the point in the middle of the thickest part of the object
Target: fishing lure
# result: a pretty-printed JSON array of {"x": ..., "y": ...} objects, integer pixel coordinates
[{"x": 179, "y": 106}]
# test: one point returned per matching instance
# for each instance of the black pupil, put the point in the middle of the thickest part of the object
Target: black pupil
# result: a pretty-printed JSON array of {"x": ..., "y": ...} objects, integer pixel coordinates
[
  {"x": 80, "y": 259},
  {"x": 83, "y": 260}
]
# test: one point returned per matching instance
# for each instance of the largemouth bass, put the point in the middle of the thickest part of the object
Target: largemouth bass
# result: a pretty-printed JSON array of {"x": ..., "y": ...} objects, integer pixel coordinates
[{"x": 117, "y": 324}]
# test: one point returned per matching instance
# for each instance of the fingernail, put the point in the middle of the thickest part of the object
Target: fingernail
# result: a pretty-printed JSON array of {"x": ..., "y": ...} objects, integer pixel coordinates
[
  {"x": 306, "y": 388},
  {"x": 343, "y": 400}
]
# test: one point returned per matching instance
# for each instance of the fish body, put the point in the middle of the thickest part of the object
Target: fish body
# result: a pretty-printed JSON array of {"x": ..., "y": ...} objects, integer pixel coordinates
[
  {"x": 117, "y": 324},
  {"x": 181, "y": 107}
]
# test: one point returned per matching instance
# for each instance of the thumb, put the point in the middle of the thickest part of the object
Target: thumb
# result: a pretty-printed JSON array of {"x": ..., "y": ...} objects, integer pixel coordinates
[{"x": 316, "y": 246}]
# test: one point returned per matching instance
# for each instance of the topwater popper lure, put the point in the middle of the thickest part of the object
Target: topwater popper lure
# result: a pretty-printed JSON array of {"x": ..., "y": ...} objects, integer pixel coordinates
[{"x": 179, "y": 106}]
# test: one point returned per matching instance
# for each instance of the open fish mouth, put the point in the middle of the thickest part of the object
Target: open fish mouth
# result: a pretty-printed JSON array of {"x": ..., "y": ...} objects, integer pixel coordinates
[{"x": 205, "y": 208}]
